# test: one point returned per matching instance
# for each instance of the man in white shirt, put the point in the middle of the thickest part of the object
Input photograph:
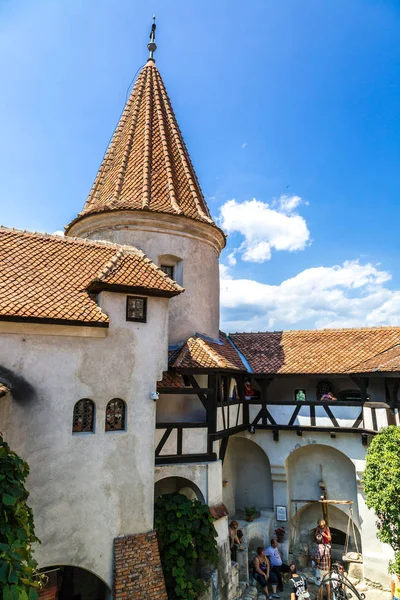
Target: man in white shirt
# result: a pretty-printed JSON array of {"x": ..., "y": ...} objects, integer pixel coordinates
[{"x": 277, "y": 564}]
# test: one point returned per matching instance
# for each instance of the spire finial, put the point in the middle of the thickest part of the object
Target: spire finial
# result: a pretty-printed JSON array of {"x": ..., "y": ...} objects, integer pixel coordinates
[{"x": 152, "y": 46}]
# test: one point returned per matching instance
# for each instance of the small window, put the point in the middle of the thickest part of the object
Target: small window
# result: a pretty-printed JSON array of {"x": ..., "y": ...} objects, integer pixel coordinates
[
  {"x": 324, "y": 388},
  {"x": 115, "y": 415},
  {"x": 83, "y": 419},
  {"x": 168, "y": 270},
  {"x": 300, "y": 395},
  {"x": 136, "y": 309}
]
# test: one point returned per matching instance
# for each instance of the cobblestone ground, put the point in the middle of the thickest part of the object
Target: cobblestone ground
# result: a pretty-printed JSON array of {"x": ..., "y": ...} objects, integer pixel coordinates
[{"x": 370, "y": 594}]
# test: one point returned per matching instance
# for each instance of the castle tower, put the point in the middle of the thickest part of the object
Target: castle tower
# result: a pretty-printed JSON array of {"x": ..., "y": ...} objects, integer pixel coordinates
[{"x": 146, "y": 194}]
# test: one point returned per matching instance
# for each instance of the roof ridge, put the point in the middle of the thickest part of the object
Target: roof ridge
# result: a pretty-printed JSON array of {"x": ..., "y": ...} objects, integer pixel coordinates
[
  {"x": 326, "y": 329},
  {"x": 353, "y": 366},
  {"x": 109, "y": 266},
  {"x": 210, "y": 351},
  {"x": 73, "y": 239}
]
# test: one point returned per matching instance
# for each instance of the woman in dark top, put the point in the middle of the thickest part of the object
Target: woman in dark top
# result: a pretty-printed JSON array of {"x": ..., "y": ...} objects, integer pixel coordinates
[{"x": 262, "y": 573}]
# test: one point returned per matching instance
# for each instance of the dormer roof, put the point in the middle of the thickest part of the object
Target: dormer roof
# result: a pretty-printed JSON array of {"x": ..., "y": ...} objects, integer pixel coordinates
[{"x": 147, "y": 166}]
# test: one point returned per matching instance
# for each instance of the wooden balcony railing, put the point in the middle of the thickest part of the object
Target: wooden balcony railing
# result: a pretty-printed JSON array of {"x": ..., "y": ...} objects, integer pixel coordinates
[{"x": 345, "y": 416}]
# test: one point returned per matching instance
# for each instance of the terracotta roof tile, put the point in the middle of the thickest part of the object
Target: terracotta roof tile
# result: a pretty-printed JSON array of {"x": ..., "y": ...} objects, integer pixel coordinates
[
  {"x": 386, "y": 361},
  {"x": 49, "y": 277},
  {"x": 320, "y": 351},
  {"x": 147, "y": 166},
  {"x": 171, "y": 379},
  {"x": 199, "y": 352}
]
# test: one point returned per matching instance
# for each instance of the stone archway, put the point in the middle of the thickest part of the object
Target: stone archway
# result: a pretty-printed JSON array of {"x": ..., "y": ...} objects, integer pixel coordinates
[
  {"x": 178, "y": 485},
  {"x": 67, "y": 582},
  {"x": 304, "y": 474},
  {"x": 246, "y": 476}
]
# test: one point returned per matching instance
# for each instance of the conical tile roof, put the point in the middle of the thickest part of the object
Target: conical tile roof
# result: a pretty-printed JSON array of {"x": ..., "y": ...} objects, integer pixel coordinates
[{"x": 147, "y": 166}]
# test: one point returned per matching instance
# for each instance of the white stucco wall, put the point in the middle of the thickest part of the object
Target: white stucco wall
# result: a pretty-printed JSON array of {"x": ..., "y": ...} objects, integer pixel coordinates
[
  {"x": 196, "y": 244},
  {"x": 86, "y": 489},
  {"x": 246, "y": 476},
  {"x": 295, "y": 472}
]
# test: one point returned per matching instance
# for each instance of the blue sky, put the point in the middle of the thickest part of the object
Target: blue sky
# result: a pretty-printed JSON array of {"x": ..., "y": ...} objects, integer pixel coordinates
[{"x": 295, "y": 104}]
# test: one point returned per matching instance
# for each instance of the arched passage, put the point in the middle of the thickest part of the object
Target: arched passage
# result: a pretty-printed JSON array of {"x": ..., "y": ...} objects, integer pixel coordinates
[
  {"x": 306, "y": 467},
  {"x": 67, "y": 582},
  {"x": 178, "y": 485},
  {"x": 246, "y": 476}
]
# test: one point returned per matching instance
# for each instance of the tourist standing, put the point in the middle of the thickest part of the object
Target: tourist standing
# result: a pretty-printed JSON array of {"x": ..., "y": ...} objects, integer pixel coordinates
[
  {"x": 396, "y": 586},
  {"x": 322, "y": 560},
  {"x": 234, "y": 538},
  {"x": 277, "y": 564}
]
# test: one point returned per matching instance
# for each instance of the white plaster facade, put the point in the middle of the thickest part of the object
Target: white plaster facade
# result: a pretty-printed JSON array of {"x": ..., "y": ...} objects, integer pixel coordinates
[
  {"x": 86, "y": 488},
  {"x": 194, "y": 247}
]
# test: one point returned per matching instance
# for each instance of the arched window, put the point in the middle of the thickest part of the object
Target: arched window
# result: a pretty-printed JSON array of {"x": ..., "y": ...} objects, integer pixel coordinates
[
  {"x": 323, "y": 387},
  {"x": 83, "y": 419},
  {"x": 115, "y": 415}
]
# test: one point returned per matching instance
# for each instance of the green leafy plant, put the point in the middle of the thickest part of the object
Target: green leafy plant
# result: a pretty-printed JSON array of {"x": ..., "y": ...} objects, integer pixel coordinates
[
  {"x": 251, "y": 512},
  {"x": 19, "y": 579},
  {"x": 187, "y": 542},
  {"x": 382, "y": 487}
]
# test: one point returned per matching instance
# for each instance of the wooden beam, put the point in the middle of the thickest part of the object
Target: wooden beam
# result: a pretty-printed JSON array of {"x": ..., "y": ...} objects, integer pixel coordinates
[
  {"x": 184, "y": 390},
  {"x": 172, "y": 459},
  {"x": 300, "y": 429},
  {"x": 164, "y": 438},
  {"x": 325, "y": 501},
  {"x": 181, "y": 424},
  {"x": 223, "y": 447},
  {"x": 219, "y": 435}
]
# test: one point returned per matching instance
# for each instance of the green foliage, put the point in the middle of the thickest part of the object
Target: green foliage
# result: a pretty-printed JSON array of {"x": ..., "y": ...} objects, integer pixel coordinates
[
  {"x": 250, "y": 511},
  {"x": 382, "y": 487},
  {"x": 187, "y": 540},
  {"x": 19, "y": 579}
]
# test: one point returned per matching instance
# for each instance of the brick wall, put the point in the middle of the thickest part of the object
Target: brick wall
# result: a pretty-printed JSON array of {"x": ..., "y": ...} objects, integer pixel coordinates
[
  {"x": 50, "y": 593},
  {"x": 137, "y": 568}
]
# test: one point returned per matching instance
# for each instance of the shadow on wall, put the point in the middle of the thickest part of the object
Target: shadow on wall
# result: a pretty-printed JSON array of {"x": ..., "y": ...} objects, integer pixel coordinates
[
  {"x": 21, "y": 390},
  {"x": 178, "y": 485},
  {"x": 246, "y": 476}
]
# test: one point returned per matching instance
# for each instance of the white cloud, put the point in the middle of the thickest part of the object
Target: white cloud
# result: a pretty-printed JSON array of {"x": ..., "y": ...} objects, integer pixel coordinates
[
  {"x": 231, "y": 258},
  {"x": 264, "y": 227},
  {"x": 288, "y": 204},
  {"x": 58, "y": 232},
  {"x": 244, "y": 144},
  {"x": 347, "y": 295}
]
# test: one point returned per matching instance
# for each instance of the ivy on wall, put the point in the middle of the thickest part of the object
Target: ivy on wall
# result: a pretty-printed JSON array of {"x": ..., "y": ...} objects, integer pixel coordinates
[
  {"x": 19, "y": 579},
  {"x": 187, "y": 540},
  {"x": 382, "y": 487}
]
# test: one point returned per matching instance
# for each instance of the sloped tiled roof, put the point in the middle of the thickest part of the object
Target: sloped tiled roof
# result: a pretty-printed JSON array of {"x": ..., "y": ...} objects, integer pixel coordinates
[
  {"x": 199, "y": 352},
  {"x": 49, "y": 277},
  {"x": 171, "y": 379},
  {"x": 3, "y": 390},
  {"x": 321, "y": 351},
  {"x": 147, "y": 166},
  {"x": 386, "y": 361}
]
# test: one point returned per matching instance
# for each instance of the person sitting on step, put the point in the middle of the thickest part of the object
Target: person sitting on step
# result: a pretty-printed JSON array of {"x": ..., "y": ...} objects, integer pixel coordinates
[{"x": 263, "y": 574}]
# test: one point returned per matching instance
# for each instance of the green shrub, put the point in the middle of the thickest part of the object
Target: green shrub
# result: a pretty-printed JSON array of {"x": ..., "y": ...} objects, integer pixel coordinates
[
  {"x": 382, "y": 487},
  {"x": 19, "y": 579},
  {"x": 187, "y": 540}
]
